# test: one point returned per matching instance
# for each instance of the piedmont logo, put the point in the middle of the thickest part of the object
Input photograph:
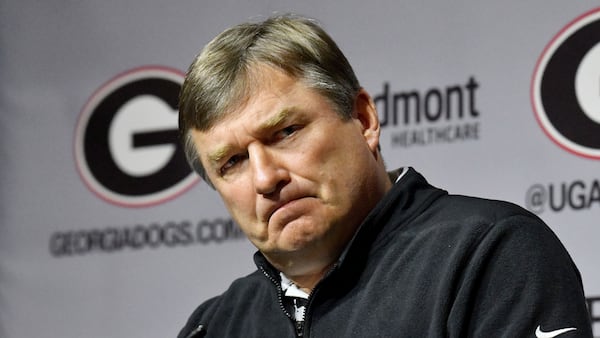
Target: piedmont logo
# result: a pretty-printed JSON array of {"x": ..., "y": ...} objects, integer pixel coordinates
[
  {"x": 439, "y": 115},
  {"x": 126, "y": 144},
  {"x": 565, "y": 90}
]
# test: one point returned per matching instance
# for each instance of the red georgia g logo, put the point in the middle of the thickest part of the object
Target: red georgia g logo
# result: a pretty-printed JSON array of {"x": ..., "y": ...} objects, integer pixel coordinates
[{"x": 565, "y": 90}]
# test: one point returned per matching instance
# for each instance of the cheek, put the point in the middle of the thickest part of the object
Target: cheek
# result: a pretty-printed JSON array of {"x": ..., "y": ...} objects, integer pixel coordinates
[
  {"x": 240, "y": 203},
  {"x": 341, "y": 158},
  {"x": 344, "y": 171},
  {"x": 242, "y": 210}
]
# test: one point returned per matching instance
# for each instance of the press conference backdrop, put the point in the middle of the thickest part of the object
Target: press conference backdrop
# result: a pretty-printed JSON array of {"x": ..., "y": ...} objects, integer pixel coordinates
[{"x": 105, "y": 232}]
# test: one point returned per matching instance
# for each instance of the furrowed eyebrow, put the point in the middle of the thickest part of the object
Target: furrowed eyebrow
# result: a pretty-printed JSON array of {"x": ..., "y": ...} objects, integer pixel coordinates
[
  {"x": 219, "y": 154},
  {"x": 276, "y": 120}
]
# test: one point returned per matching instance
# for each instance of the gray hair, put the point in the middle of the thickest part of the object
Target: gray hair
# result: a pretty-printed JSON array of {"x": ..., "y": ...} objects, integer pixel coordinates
[{"x": 221, "y": 77}]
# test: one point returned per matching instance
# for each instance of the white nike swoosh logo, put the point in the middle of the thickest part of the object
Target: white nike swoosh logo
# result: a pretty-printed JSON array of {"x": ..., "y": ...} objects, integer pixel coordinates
[{"x": 551, "y": 334}]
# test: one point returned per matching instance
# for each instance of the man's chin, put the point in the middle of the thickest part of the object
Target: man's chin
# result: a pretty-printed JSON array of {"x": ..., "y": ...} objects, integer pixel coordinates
[{"x": 291, "y": 250}]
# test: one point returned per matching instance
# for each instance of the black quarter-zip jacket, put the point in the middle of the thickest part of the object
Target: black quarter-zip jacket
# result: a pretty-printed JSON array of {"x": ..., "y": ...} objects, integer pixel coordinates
[{"x": 422, "y": 264}]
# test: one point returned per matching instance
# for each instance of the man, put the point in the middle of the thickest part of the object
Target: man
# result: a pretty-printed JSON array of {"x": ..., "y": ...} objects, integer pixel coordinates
[{"x": 274, "y": 119}]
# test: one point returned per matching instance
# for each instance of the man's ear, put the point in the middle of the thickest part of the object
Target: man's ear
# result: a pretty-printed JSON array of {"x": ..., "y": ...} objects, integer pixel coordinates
[{"x": 366, "y": 115}]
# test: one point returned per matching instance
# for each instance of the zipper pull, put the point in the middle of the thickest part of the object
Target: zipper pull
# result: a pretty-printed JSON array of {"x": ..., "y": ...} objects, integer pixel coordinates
[{"x": 299, "y": 329}]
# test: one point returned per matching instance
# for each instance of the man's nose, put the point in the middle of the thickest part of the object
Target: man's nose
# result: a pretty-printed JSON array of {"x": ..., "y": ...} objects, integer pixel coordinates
[{"x": 268, "y": 173}]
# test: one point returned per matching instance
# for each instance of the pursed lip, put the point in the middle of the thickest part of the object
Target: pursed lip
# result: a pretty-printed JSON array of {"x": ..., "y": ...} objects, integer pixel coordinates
[{"x": 271, "y": 206}]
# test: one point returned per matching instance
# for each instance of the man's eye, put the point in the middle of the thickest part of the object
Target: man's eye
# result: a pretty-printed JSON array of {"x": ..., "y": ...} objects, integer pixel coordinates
[
  {"x": 231, "y": 162},
  {"x": 287, "y": 131}
]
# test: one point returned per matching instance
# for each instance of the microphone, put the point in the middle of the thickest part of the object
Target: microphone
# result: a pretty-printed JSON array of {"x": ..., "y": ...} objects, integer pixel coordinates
[{"x": 198, "y": 332}]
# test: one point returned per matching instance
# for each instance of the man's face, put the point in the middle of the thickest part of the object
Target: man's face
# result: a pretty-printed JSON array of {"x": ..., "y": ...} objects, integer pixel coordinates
[{"x": 295, "y": 176}]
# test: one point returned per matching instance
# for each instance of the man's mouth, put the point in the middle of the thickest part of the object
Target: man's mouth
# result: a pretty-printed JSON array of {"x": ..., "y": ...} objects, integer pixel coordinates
[{"x": 284, "y": 206}]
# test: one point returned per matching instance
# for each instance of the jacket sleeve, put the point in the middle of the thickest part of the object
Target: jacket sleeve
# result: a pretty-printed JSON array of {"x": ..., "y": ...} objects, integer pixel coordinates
[{"x": 519, "y": 280}]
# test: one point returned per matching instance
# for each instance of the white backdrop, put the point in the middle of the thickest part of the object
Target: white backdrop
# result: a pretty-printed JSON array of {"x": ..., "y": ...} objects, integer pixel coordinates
[{"x": 103, "y": 232}]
